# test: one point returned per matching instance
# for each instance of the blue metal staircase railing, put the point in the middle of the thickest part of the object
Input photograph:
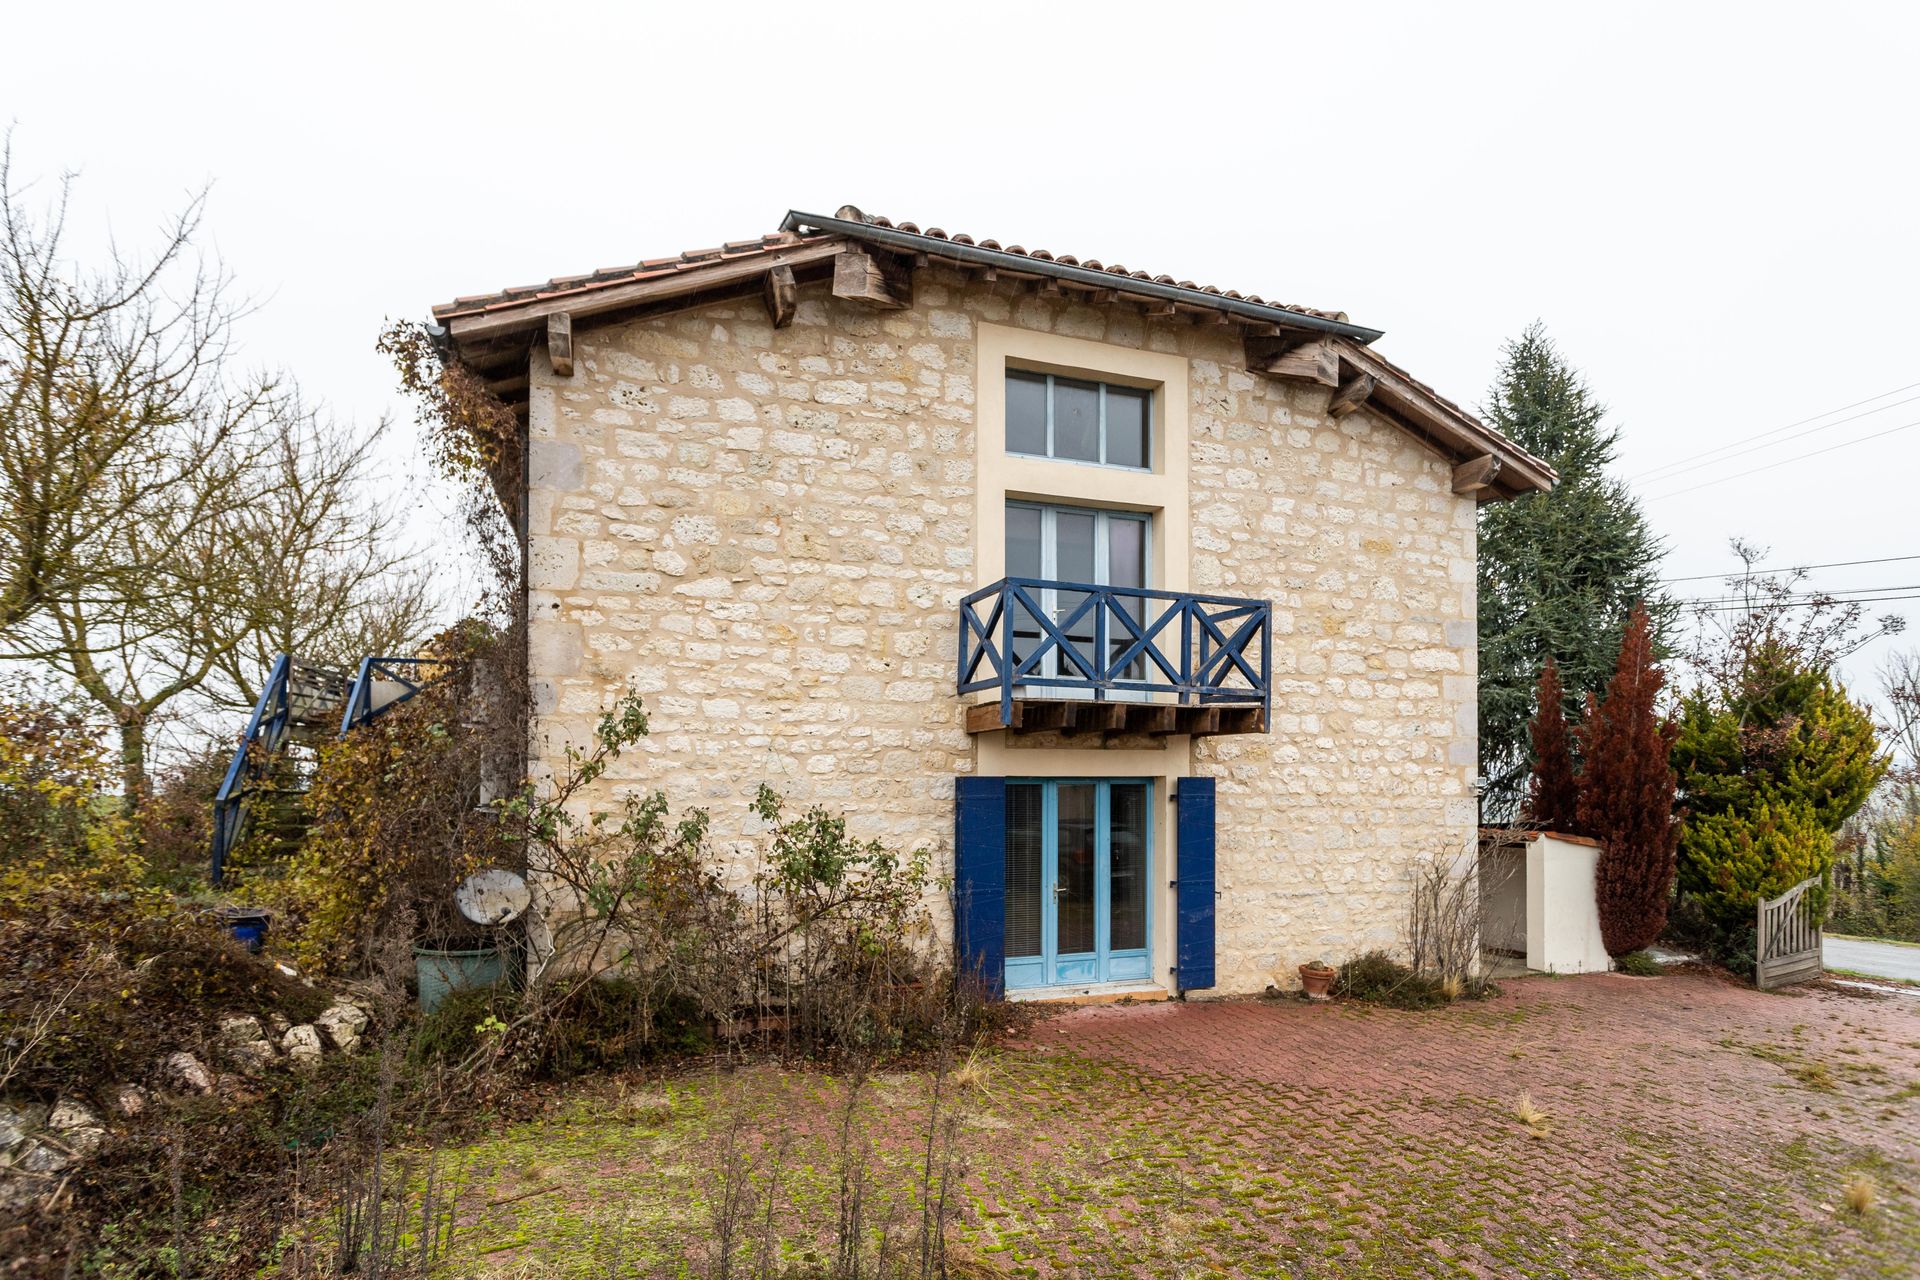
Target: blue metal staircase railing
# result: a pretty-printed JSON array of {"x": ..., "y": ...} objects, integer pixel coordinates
[
  {"x": 368, "y": 699},
  {"x": 299, "y": 696}
]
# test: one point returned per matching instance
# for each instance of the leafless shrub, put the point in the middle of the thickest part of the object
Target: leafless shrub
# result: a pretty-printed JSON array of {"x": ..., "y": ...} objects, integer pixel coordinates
[
  {"x": 1444, "y": 919},
  {"x": 376, "y": 1197}
]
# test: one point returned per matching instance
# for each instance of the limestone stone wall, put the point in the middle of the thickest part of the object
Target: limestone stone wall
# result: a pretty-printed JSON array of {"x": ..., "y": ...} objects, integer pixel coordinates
[{"x": 767, "y": 533}]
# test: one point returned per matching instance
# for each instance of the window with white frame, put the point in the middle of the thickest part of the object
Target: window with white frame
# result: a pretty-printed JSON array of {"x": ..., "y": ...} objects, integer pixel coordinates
[{"x": 1077, "y": 420}]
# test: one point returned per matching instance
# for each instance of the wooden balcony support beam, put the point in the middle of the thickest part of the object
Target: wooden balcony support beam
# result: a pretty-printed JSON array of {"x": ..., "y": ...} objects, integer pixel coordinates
[{"x": 1072, "y": 718}]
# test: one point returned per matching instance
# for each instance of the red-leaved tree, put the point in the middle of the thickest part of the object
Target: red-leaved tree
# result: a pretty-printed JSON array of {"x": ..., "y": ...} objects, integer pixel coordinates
[
  {"x": 1626, "y": 795},
  {"x": 1553, "y": 794}
]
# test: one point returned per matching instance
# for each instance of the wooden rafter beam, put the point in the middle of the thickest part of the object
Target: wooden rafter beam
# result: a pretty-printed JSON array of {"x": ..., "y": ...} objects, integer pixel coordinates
[
  {"x": 872, "y": 276},
  {"x": 1352, "y": 394},
  {"x": 1315, "y": 361},
  {"x": 600, "y": 299},
  {"x": 560, "y": 344},
  {"x": 781, "y": 295},
  {"x": 1477, "y": 475}
]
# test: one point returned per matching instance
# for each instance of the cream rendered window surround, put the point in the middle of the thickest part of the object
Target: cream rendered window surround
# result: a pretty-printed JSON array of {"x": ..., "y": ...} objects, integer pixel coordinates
[{"x": 1161, "y": 489}]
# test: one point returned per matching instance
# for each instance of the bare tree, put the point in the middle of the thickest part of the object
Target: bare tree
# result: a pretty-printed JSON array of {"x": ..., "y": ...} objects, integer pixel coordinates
[
  {"x": 294, "y": 561},
  {"x": 1900, "y": 690},
  {"x": 1773, "y": 613},
  {"x": 168, "y": 522},
  {"x": 319, "y": 569},
  {"x": 115, "y": 407}
]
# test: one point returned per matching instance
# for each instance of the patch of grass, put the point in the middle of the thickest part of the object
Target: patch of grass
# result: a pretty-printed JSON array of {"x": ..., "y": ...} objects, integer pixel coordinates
[
  {"x": 1872, "y": 977},
  {"x": 1638, "y": 964},
  {"x": 1814, "y": 1075},
  {"x": 1890, "y": 942}
]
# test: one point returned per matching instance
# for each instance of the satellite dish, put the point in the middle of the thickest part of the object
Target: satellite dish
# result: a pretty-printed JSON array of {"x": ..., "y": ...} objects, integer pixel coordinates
[{"x": 492, "y": 897}]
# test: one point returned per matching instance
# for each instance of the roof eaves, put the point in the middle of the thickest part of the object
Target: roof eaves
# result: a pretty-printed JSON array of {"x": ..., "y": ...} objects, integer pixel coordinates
[{"x": 893, "y": 237}]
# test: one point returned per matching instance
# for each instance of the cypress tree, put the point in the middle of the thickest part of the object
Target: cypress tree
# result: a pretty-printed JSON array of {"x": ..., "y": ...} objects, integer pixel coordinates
[
  {"x": 1626, "y": 795},
  {"x": 1558, "y": 571},
  {"x": 1771, "y": 764},
  {"x": 1553, "y": 794}
]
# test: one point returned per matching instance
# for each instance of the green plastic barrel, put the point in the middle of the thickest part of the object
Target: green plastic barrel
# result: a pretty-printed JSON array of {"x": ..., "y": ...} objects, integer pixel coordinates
[{"x": 443, "y": 971}]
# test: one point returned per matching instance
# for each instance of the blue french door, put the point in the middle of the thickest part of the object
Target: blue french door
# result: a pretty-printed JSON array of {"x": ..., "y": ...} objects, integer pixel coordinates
[{"x": 1078, "y": 871}]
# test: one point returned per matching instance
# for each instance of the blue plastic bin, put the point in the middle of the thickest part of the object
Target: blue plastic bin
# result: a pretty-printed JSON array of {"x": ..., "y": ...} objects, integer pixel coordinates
[{"x": 248, "y": 925}]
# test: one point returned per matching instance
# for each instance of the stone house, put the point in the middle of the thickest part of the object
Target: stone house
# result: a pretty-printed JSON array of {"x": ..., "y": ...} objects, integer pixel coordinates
[{"x": 1149, "y": 607}]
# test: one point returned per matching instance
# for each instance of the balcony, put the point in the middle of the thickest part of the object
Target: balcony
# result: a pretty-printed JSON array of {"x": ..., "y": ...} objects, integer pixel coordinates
[{"x": 1075, "y": 658}]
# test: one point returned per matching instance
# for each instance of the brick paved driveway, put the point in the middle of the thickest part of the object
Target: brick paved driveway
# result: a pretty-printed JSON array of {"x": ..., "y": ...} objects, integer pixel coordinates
[{"x": 1697, "y": 1128}]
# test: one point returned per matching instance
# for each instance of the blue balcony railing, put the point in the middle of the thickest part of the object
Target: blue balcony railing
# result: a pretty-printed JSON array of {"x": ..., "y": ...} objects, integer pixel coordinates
[{"x": 1026, "y": 636}]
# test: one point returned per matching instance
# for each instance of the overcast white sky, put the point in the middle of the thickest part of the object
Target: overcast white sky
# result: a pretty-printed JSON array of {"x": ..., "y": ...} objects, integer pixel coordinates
[{"x": 1711, "y": 206}]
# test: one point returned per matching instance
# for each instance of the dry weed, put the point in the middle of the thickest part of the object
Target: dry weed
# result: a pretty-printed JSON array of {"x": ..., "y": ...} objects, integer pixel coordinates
[
  {"x": 1538, "y": 1125},
  {"x": 1862, "y": 1194},
  {"x": 976, "y": 1072}
]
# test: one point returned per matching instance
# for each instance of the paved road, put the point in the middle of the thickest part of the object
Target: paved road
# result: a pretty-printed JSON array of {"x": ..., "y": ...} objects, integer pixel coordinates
[{"x": 1882, "y": 958}]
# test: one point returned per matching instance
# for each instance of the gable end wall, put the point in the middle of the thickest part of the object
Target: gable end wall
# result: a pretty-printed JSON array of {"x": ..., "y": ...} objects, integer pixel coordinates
[{"x": 767, "y": 533}]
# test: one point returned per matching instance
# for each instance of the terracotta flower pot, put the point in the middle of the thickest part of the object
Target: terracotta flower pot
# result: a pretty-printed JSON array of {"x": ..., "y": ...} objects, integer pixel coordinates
[{"x": 1317, "y": 981}]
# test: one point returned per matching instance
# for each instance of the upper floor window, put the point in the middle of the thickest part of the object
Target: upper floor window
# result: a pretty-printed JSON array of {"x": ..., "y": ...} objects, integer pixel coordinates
[{"x": 1079, "y": 421}]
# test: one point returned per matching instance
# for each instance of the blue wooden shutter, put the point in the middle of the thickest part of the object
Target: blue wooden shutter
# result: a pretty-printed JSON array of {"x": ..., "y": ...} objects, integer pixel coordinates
[
  {"x": 1193, "y": 892},
  {"x": 980, "y": 881}
]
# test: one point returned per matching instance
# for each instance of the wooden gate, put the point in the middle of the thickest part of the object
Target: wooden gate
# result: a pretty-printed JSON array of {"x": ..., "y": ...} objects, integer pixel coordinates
[{"x": 1788, "y": 947}]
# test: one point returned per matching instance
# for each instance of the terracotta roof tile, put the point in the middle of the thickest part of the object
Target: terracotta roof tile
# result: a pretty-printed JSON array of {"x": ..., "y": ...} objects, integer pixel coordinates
[
  {"x": 849, "y": 213},
  {"x": 646, "y": 269},
  {"x": 651, "y": 268}
]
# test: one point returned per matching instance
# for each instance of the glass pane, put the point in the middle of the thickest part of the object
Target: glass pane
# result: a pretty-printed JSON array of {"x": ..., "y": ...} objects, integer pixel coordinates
[
  {"x": 1076, "y": 420},
  {"x": 1126, "y": 567},
  {"x": 1023, "y": 869},
  {"x": 1073, "y": 558},
  {"x": 1026, "y": 412},
  {"x": 1127, "y": 412},
  {"x": 1023, "y": 561},
  {"x": 1073, "y": 896},
  {"x": 1126, "y": 552},
  {"x": 1023, "y": 542},
  {"x": 1127, "y": 848}
]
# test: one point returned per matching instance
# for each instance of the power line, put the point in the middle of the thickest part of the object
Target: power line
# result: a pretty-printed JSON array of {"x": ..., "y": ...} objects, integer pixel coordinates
[
  {"x": 1758, "y": 448},
  {"x": 1810, "y": 593},
  {"x": 1863, "y": 595},
  {"x": 1776, "y": 431},
  {"x": 1905, "y": 426},
  {"x": 1786, "y": 568},
  {"x": 1710, "y": 607}
]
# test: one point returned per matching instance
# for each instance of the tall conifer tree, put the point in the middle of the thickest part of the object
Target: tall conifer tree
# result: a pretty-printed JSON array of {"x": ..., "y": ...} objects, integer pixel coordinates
[
  {"x": 1626, "y": 795},
  {"x": 1558, "y": 571},
  {"x": 1553, "y": 793}
]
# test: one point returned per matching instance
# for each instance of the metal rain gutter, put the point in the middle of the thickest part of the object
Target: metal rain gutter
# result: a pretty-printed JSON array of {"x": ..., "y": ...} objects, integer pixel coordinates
[{"x": 912, "y": 242}]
